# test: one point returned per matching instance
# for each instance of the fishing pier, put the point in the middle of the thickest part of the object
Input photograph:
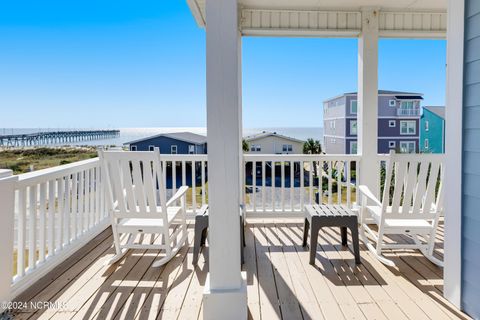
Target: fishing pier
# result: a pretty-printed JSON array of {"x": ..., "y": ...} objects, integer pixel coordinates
[{"x": 55, "y": 137}]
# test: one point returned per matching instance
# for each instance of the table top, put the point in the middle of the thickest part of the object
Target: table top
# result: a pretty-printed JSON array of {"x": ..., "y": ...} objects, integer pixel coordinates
[{"x": 328, "y": 210}]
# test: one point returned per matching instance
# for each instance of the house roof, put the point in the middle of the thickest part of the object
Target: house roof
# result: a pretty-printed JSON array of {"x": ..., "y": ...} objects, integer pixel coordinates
[
  {"x": 392, "y": 92},
  {"x": 402, "y": 94},
  {"x": 268, "y": 134},
  {"x": 182, "y": 136},
  {"x": 409, "y": 97},
  {"x": 438, "y": 110}
]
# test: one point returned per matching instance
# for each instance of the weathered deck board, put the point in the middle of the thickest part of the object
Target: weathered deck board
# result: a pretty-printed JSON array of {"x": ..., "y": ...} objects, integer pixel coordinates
[
  {"x": 280, "y": 281},
  {"x": 250, "y": 267}
]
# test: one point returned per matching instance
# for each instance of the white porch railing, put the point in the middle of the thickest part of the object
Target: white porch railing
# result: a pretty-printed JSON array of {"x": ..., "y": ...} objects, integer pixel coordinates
[
  {"x": 56, "y": 211},
  {"x": 280, "y": 185},
  {"x": 191, "y": 170},
  {"x": 408, "y": 112}
]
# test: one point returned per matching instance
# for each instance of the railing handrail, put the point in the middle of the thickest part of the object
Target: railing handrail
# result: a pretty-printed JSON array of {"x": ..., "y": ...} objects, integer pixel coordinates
[
  {"x": 41, "y": 175},
  {"x": 181, "y": 157},
  {"x": 408, "y": 112},
  {"x": 301, "y": 157},
  {"x": 62, "y": 170}
]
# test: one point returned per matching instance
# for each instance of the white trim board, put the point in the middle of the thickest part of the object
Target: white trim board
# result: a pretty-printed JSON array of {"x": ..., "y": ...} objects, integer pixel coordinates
[
  {"x": 334, "y": 136},
  {"x": 406, "y": 118},
  {"x": 403, "y": 138},
  {"x": 453, "y": 150}
]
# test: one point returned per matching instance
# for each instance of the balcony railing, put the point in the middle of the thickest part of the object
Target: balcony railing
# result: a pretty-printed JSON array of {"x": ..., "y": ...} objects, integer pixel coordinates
[
  {"x": 408, "y": 112},
  {"x": 280, "y": 185},
  {"x": 56, "y": 211}
]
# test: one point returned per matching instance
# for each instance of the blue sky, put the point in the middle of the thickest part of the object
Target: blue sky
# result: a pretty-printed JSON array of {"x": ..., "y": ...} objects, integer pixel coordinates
[{"x": 142, "y": 64}]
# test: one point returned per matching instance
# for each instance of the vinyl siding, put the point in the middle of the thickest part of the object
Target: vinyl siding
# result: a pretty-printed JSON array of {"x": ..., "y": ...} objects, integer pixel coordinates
[
  {"x": 165, "y": 144},
  {"x": 435, "y": 134},
  {"x": 338, "y": 112},
  {"x": 471, "y": 157},
  {"x": 274, "y": 145},
  {"x": 334, "y": 145}
]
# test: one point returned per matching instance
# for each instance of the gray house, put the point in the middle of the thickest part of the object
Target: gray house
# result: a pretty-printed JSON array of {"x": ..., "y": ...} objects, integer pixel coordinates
[
  {"x": 398, "y": 122},
  {"x": 172, "y": 143},
  {"x": 273, "y": 143}
]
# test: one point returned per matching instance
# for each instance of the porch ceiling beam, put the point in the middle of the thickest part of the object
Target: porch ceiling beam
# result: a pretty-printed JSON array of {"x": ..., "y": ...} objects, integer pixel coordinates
[
  {"x": 430, "y": 24},
  {"x": 300, "y": 23},
  {"x": 396, "y": 24},
  {"x": 412, "y": 24}
]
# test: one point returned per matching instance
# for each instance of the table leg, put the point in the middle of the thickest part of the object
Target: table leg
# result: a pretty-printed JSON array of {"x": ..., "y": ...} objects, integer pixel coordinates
[
  {"x": 314, "y": 229},
  {"x": 356, "y": 246},
  {"x": 344, "y": 235},
  {"x": 306, "y": 226},
  {"x": 197, "y": 243}
]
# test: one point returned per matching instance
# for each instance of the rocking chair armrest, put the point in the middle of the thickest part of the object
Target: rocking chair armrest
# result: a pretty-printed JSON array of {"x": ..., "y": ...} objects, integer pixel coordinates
[
  {"x": 179, "y": 194},
  {"x": 365, "y": 191}
]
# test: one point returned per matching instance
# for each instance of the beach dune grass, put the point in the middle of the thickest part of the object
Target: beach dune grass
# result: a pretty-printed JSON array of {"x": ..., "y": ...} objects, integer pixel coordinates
[{"x": 22, "y": 160}]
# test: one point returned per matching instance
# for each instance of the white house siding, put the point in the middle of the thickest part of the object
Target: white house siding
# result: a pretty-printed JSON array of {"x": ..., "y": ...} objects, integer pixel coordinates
[
  {"x": 274, "y": 145},
  {"x": 334, "y": 145},
  {"x": 471, "y": 157},
  {"x": 334, "y": 108}
]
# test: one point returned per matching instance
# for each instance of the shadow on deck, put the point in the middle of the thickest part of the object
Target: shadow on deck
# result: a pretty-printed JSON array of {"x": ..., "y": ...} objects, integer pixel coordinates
[{"x": 281, "y": 283}]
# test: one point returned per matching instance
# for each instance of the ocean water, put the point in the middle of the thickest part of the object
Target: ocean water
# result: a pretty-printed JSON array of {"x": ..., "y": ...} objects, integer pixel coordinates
[{"x": 129, "y": 134}]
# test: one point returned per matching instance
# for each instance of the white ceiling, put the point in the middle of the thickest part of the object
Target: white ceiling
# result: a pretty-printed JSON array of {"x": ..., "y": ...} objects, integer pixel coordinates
[
  {"x": 431, "y": 6},
  {"x": 440, "y": 5}
]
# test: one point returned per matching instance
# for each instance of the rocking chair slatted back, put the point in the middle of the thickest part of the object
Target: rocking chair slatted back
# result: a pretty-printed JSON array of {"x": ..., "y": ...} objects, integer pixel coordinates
[
  {"x": 135, "y": 184},
  {"x": 410, "y": 189}
]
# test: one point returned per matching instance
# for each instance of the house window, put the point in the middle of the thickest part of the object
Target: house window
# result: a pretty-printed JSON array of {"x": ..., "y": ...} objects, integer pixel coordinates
[
  {"x": 392, "y": 123},
  {"x": 173, "y": 149},
  {"x": 426, "y": 143},
  {"x": 133, "y": 148},
  {"x": 407, "y": 105},
  {"x": 332, "y": 124},
  {"x": 353, "y": 106},
  {"x": 353, "y": 147},
  {"x": 408, "y": 127},
  {"x": 353, "y": 127},
  {"x": 287, "y": 148},
  {"x": 151, "y": 148},
  {"x": 407, "y": 146},
  {"x": 255, "y": 148},
  {"x": 392, "y": 144},
  {"x": 191, "y": 149},
  {"x": 333, "y": 141},
  {"x": 426, "y": 125},
  {"x": 392, "y": 103}
]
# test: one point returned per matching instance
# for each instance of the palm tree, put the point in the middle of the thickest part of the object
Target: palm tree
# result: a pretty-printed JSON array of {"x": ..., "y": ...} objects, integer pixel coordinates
[
  {"x": 245, "y": 146},
  {"x": 312, "y": 146}
]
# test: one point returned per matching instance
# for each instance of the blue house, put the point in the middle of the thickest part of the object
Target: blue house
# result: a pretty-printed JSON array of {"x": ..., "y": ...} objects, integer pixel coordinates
[
  {"x": 172, "y": 143},
  {"x": 432, "y": 130}
]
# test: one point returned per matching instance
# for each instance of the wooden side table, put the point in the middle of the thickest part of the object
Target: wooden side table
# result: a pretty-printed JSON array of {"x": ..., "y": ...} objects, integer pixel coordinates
[
  {"x": 318, "y": 216},
  {"x": 201, "y": 232}
]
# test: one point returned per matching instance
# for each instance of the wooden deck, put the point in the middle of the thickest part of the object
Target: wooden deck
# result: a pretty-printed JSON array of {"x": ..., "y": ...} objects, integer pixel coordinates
[{"x": 281, "y": 283}]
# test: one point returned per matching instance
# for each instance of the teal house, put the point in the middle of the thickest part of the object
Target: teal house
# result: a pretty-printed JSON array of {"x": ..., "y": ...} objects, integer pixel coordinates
[{"x": 432, "y": 130}]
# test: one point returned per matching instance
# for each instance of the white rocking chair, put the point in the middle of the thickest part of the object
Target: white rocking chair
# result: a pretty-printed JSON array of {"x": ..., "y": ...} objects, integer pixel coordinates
[
  {"x": 411, "y": 205},
  {"x": 136, "y": 196}
]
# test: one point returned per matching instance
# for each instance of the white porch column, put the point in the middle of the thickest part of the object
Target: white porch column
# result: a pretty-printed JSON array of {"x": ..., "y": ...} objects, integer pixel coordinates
[
  {"x": 368, "y": 99},
  {"x": 7, "y": 207},
  {"x": 452, "y": 271},
  {"x": 225, "y": 295}
]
